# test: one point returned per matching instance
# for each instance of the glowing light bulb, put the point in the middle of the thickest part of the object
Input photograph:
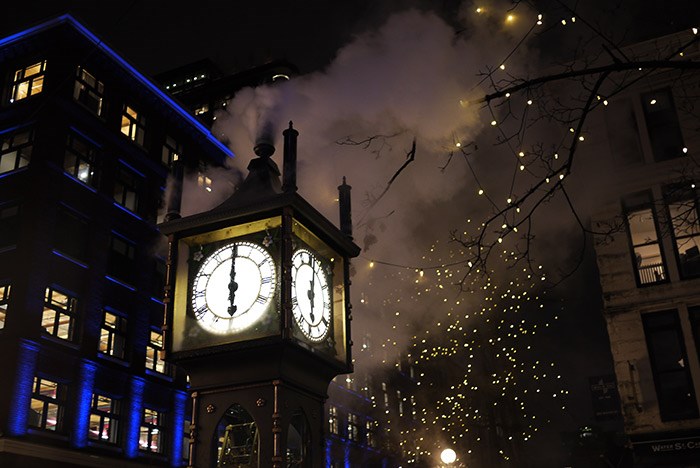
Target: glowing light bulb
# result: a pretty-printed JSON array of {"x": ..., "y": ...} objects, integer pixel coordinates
[
  {"x": 481, "y": 191},
  {"x": 685, "y": 150},
  {"x": 458, "y": 144},
  {"x": 521, "y": 154},
  {"x": 493, "y": 123},
  {"x": 652, "y": 102},
  {"x": 371, "y": 264}
]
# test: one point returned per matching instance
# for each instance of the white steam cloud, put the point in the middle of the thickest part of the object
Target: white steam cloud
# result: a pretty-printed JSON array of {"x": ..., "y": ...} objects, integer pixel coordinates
[{"x": 408, "y": 79}]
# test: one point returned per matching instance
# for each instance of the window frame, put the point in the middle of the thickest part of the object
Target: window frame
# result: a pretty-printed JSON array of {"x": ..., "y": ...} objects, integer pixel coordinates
[
  {"x": 5, "y": 292},
  {"x": 20, "y": 77},
  {"x": 154, "y": 350},
  {"x": 681, "y": 195},
  {"x": 107, "y": 419},
  {"x": 659, "y": 375},
  {"x": 133, "y": 124},
  {"x": 22, "y": 151},
  {"x": 59, "y": 400},
  {"x": 149, "y": 429},
  {"x": 83, "y": 91},
  {"x": 655, "y": 124},
  {"x": 81, "y": 159},
  {"x": 70, "y": 311},
  {"x": 118, "y": 331},
  {"x": 127, "y": 189},
  {"x": 171, "y": 151},
  {"x": 638, "y": 203}
]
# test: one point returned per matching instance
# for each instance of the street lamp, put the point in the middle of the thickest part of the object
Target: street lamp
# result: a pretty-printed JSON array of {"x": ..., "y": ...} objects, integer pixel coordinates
[{"x": 448, "y": 456}]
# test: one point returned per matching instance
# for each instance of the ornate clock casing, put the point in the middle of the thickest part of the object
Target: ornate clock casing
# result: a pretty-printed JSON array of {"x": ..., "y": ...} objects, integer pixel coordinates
[{"x": 229, "y": 289}]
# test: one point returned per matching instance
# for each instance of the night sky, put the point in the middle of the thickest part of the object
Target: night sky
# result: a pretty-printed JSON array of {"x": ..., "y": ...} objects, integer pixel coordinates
[{"x": 380, "y": 68}]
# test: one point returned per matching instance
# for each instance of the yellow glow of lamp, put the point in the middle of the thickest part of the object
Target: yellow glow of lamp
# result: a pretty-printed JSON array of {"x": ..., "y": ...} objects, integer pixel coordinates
[{"x": 448, "y": 456}]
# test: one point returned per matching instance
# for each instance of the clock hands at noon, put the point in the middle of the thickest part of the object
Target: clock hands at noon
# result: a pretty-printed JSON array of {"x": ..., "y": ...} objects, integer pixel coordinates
[
  {"x": 232, "y": 285},
  {"x": 311, "y": 294}
]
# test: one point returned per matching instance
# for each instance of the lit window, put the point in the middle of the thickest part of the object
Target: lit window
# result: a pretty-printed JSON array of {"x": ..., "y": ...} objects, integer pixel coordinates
[
  {"x": 16, "y": 150},
  {"x": 113, "y": 335},
  {"x": 683, "y": 215},
  {"x": 47, "y": 405},
  {"x": 121, "y": 262},
  {"x": 80, "y": 160},
  {"x": 154, "y": 352},
  {"x": 669, "y": 366},
  {"x": 353, "y": 427},
  {"x": 4, "y": 301},
  {"x": 126, "y": 189},
  {"x": 28, "y": 81},
  {"x": 152, "y": 428},
  {"x": 104, "y": 419},
  {"x": 133, "y": 125},
  {"x": 171, "y": 151},
  {"x": 202, "y": 110},
  {"x": 88, "y": 91},
  {"x": 371, "y": 432},
  {"x": 9, "y": 225},
  {"x": 399, "y": 402},
  {"x": 58, "y": 318},
  {"x": 333, "y": 420},
  {"x": 186, "y": 439},
  {"x": 204, "y": 182},
  {"x": 643, "y": 232}
]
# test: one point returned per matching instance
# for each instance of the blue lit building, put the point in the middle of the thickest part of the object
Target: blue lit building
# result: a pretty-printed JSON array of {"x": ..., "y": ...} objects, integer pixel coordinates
[{"x": 88, "y": 144}]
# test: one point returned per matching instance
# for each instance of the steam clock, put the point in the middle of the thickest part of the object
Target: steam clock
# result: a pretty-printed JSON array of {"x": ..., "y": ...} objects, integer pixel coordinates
[{"x": 258, "y": 315}]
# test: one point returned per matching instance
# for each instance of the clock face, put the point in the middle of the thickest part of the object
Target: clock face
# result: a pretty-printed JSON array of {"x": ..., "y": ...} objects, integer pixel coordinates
[
  {"x": 311, "y": 296},
  {"x": 233, "y": 287}
]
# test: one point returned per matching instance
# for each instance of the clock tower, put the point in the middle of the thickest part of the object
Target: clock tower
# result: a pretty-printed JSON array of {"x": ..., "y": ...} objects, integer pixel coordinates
[{"x": 258, "y": 315}]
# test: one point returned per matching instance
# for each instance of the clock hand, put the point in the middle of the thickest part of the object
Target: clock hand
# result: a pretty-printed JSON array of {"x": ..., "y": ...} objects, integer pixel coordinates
[
  {"x": 232, "y": 285},
  {"x": 310, "y": 294}
]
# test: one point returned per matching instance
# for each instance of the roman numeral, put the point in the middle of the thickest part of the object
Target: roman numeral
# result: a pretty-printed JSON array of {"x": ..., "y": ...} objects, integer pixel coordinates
[
  {"x": 295, "y": 302},
  {"x": 261, "y": 299},
  {"x": 200, "y": 312},
  {"x": 267, "y": 279}
]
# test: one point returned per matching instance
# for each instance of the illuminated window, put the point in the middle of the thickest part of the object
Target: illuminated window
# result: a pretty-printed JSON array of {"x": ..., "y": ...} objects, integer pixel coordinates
[
  {"x": 152, "y": 429},
  {"x": 371, "y": 432},
  {"x": 682, "y": 205},
  {"x": 133, "y": 125},
  {"x": 204, "y": 182},
  {"x": 399, "y": 402},
  {"x": 71, "y": 234},
  {"x": 171, "y": 151},
  {"x": 353, "y": 427},
  {"x": 104, "y": 419},
  {"x": 88, "y": 91},
  {"x": 121, "y": 263},
  {"x": 58, "y": 318},
  {"x": 154, "y": 354},
  {"x": 644, "y": 238},
  {"x": 669, "y": 366},
  {"x": 202, "y": 110},
  {"x": 4, "y": 301},
  {"x": 16, "y": 150},
  {"x": 80, "y": 160},
  {"x": 662, "y": 124},
  {"x": 113, "y": 335},
  {"x": 28, "y": 81},
  {"x": 9, "y": 225},
  {"x": 126, "y": 189},
  {"x": 333, "y": 426},
  {"x": 47, "y": 405}
]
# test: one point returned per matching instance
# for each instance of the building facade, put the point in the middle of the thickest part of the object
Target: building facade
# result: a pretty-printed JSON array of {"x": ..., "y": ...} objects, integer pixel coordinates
[
  {"x": 88, "y": 144},
  {"x": 649, "y": 261}
]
